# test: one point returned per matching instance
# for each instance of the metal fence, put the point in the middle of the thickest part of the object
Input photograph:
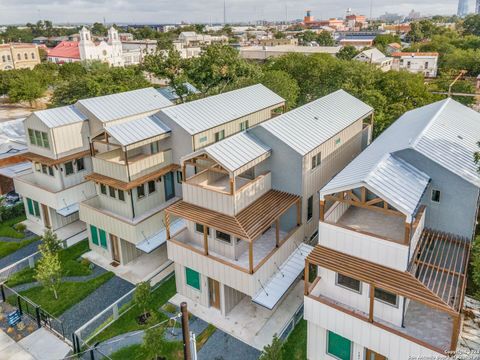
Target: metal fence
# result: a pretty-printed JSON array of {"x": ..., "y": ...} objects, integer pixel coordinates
[
  {"x": 109, "y": 315},
  {"x": 294, "y": 320},
  {"x": 32, "y": 310},
  {"x": 29, "y": 261}
]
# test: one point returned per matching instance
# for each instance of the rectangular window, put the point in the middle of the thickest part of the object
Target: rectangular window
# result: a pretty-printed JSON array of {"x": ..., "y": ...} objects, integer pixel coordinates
[
  {"x": 111, "y": 191},
  {"x": 50, "y": 171},
  {"x": 36, "y": 208},
  {"x": 193, "y": 278},
  {"x": 310, "y": 208},
  {"x": 32, "y": 137},
  {"x": 199, "y": 228},
  {"x": 179, "y": 177},
  {"x": 69, "y": 168},
  {"x": 220, "y": 235},
  {"x": 426, "y": 65},
  {"x": 338, "y": 141},
  {"x": 103, "y": 238},
  {"x": 203, "y": 139},
  {"x": 103, "y": 189},
  {"x": 154, "y": 147},
  {"x": 38, "y": 167},
  {"x": 386, "y": 297},
  {"x": 121, "y": 195},
  {"x": 436, "y": 196},
  {"x": 348, "y": 282},
  {"x": 30, "y": 206},
  {"x": 94, "y": 233},
  {"x": 44, "y": 169},
  {"x": 244, "y": 125},
  {"x": 220, "y": 135},
  {"x": 140, "y": 191},
  {"x": 338, "y": 346},
  {"x": 151, "y": 187},
  {"x": 316, "y": 160},
  {"x": 45, "y": 140},
  {"x": 80, "y": 164}
]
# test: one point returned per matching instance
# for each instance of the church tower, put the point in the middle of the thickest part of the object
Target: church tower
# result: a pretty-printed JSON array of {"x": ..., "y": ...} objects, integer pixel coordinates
[
  {"x": 86, "y": 45},
  {"x": 116, "y": 47}
]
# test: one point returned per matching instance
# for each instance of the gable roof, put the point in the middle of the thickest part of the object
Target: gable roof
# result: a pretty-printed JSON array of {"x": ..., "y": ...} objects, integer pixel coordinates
[
  {"x": 66, "y": 49},
  {"x": 60, "y": 116},
  {"x": 236, "y": 152},
  {"x": 435, "y": 132},
  {"x": 130, "y": 132},
  {"x": 200, "y": 115},
  {"x": 375, "y": 55},
  {"x": 306, "y": 127},
  {"x": 118, "y": 106}
]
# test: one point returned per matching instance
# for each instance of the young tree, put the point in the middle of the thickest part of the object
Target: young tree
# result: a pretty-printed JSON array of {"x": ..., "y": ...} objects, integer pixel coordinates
[
  {"x": 50, "y": 243},
  {"x": 143, "y": 296},
  {"x": 325, "y": 39},
  {"x": 154, "y": 345},
  {"x": 49, "y": 272},
  {"x": 273, "y": 351},
  {"x": 26, "y": 85}
]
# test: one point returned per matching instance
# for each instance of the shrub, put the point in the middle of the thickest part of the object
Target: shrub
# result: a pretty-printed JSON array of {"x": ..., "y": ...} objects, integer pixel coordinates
[{"x": 20, "y": 227}]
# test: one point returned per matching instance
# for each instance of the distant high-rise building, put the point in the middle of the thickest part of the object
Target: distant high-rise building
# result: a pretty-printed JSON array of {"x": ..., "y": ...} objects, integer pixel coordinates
[
  {"x": 477, "y": 7},
  {"x": 463, "y": 7}
]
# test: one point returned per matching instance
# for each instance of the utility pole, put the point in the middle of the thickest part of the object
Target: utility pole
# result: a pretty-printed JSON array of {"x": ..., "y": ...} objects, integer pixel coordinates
[
  {"x": 462, "y": 72},
  {"x": 187, "y": 355},
  {"x": 224, "y": 12}
]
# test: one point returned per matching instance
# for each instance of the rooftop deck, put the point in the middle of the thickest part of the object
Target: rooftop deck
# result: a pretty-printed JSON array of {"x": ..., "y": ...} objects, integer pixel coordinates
[{"x": 373, "y": 222}]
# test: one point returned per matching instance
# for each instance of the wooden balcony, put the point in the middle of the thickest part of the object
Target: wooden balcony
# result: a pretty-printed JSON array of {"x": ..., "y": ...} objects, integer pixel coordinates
[{"x": 115, "y": 164}]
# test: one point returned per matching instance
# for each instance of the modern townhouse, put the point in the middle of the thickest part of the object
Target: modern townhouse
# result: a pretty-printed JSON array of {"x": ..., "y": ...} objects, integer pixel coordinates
[
  {"x": 389, "y": 272},
  {"x": 248, "y": 205},
  {"x": 61, "y": 156},
  {"x": 136, "y": 171}
]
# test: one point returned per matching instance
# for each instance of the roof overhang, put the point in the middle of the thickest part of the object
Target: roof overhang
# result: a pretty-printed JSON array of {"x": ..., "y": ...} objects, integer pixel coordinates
[{"x": 156, "y": 240}]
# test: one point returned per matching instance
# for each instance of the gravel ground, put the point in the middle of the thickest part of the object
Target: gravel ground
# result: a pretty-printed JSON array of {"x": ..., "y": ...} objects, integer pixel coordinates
[
  {"x": 223, "y": 346},
  {"x": 20, "y": 254},
  {"x": 93, "y": 304}
]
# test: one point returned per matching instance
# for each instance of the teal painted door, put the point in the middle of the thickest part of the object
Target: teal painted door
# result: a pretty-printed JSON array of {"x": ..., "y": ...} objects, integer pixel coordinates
[{"x": 169, "y": 186}]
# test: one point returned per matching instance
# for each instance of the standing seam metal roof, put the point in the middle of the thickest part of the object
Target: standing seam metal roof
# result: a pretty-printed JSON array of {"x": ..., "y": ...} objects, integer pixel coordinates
[
  {"x": 236, "y": 151},
  {"x": 200, "y": 115},
  {"x": 434, "y": 131},
  {"x": 305, "y": 128},
  {"x": 118, "y": 106},
  {"x": 60, "y": 116},
  {"x": 130, "y": 132}
]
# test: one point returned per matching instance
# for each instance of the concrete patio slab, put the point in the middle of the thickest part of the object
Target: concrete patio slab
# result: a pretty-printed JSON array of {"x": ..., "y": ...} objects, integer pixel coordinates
[
  {"x": 248, "y": 322},
  {"x": 43, "y": 345},
  {"x": 10, "y": 350}
]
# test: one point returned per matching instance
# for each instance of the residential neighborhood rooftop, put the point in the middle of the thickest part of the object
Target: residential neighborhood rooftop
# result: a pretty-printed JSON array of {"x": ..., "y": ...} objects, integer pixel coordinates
[{"x": 60, "y": 116}]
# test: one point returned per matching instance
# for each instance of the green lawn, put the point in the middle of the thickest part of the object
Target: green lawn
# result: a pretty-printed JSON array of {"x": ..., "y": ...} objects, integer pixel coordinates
[
  {"x": 174, "y": 351},
  {"x": 69, "y": 293},
  {"x": 128, "y": 321},
  {"x": 7, "y": 248},
  {"x": 70, "y": 265},
  {"x": 7, "y": 230},
  {"x": 295, "y": 348}
]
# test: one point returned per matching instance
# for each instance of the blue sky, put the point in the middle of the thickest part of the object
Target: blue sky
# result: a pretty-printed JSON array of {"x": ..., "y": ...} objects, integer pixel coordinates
[{"x": 161, "y": 11}]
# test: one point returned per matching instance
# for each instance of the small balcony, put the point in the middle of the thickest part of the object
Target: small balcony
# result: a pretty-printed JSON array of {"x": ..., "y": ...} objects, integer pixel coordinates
[{"x": 125, "y": 167}]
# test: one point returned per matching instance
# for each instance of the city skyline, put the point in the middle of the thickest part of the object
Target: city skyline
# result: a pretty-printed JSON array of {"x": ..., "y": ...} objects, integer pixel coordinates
[{"x": 168, "y": 11}]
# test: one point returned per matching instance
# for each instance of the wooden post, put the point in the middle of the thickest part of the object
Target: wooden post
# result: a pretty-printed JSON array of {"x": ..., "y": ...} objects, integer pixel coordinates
[
  {"x": 455, "y": 332},
  {"x": 364, "y": 194},
  {"x": 372, "y": 300},
  {"x": 322, "y": 210},
  {"x": 306, "y": 281},
  {"x": 299, "y": 212},
  {"x": 205, "y": 239},
  {"x": 407, "y": 233},
  {"x": 277, "y": 232},
  {"x": 167, "y": 224},
  {"x": 185, "y": 332},
  {"x": 250, "y": 256}
]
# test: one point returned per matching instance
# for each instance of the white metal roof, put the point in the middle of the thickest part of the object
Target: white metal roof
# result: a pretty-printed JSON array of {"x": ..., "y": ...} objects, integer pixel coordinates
[
  {"x": 445, "y": 131},
  {"x": 60, "y": 116},
  {"x": 130, "y": 132},
  {"x": 69, "y": 210},
  {"x": 160, "y": 238},
  {"x": 306, "y": 127},
  {"x": 118, "y": 106},
  {"x": 375, "y": 55},
  {"x": 200, "y": 115},
  {"x": 237, "y": 151},
  {"x": 17, "y": 169},
  {"x": 283, "y": 279}
]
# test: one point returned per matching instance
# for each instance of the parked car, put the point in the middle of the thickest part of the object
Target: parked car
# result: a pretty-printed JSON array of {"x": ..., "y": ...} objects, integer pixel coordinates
[{"x": 11, "y": 198}]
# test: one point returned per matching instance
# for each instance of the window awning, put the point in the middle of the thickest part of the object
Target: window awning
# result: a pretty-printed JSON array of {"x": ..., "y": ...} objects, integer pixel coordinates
[
  {"x": 69, "y": 210},
  {"x": 283, "y": 279},
  {"x": 158, "y": 239}
]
